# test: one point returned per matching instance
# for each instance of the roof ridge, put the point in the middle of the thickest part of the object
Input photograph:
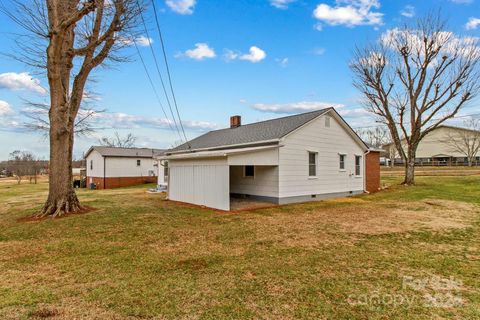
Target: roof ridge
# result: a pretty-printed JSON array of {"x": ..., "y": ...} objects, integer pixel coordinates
[
  {"x": 289, "y": 116},
  {"x": 128, "y": 148}
]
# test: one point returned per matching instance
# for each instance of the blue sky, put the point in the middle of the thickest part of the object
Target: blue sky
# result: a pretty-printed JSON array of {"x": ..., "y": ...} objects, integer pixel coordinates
[{"x": 256, "y": 58}]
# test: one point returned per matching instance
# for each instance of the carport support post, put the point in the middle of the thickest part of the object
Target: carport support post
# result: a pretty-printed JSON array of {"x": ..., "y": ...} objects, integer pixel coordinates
[{"x": 168, "y": 182}]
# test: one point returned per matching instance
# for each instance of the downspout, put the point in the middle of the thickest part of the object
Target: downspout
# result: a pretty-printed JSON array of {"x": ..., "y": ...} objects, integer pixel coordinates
[
  {"x": 365, "y": 171},
  {"x": 104, "y": 170}
]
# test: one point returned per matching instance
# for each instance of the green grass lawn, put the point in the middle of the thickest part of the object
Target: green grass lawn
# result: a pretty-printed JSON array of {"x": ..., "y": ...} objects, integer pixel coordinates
[{"x": 139, "y": 256}]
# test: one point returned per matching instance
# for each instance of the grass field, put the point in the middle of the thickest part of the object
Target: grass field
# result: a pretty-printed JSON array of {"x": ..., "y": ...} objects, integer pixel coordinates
[{"x": 404, "y": 253}]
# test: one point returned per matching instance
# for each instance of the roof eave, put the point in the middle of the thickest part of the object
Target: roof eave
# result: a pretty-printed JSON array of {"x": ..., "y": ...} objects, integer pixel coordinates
[{"x": 222, "y": 147}]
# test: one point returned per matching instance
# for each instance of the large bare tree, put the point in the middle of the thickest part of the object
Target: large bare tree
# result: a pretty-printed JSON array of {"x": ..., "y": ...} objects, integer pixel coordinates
[
  {"x": 414, "y": 78},
  {"x": 465, "y": 141},
  {"x": 80, "y": 36}
]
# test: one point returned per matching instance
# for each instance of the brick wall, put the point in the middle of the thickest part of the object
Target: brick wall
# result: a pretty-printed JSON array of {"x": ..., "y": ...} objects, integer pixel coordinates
[
  {"x": 117, "y": 182},
  {"x": 372, "y": 169}
]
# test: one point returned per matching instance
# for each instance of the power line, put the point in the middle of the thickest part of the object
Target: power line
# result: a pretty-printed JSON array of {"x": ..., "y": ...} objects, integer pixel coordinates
[
  {"x": 158, "y": 68},
  {"x": 456, "y": 117},
  {"x": 153, "y": 87},
  {"x": 168, "y": 69}
]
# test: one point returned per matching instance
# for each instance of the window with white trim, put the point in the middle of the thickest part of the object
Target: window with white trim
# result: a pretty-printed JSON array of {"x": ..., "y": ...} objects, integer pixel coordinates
[
  {"x": 138, "y": 163},
  {"x": 327, "y": 121},
  {"x": 341, "y": 159},
  {"x": 312, "y": 164},
  {"x": 358, "y": 168},
  {"x": 91, "y": 164}
]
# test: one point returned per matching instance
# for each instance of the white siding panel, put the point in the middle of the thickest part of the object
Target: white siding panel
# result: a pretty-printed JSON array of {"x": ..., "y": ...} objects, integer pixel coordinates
[
  {"x": 261, "y": 158},
  {"x": 96, "y": 160},
  {"x": 127, "y": 167},
  {"x": 328, "y": 143},
  {"x": 201, "y": 182}
]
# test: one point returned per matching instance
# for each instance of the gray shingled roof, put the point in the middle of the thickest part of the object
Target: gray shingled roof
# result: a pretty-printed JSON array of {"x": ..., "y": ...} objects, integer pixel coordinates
[
  {"x": 250, "y": 133},
  {"x": 125, "y": 152}
]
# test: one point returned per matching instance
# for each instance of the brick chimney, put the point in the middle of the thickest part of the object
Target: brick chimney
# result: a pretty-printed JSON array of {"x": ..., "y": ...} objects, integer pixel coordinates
[{"x": 235, "y": 121}]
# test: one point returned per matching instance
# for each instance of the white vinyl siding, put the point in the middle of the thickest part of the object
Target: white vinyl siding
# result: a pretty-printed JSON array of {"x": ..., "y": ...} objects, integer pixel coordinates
[
  {"x": 129, "y": 167},
  {"x": 262, "y": 158},
  {"x": 95, "y": 164},
  {"x": 328, "y": 143}
]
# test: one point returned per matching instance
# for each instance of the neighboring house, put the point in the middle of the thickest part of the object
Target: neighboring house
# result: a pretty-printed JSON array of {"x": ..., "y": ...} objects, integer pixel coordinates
[
  {"x": 440, "y": 147},
  {"x": 109, "y": 167},
  {"x": 304, "y": 157}
]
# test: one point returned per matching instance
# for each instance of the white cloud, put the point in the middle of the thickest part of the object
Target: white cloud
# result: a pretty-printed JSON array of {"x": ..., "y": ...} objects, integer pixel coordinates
[
  {"x": 201, "y": 52},
  {"x": 472, "y": 24},
  {"x": 119, "y": 120},
  {"x": 350, "y": 13},
  {"x": 282, "y": 62},
  {"x": 230, "y": 55},
  {"x": 319, "y": 51},
  {"x": 356, "y": 112},
  {"x": 462, "y": 1},
  {"x": 141, "y": 41},
  {"x": 181, "y": 6},
  {"x": 281, "y": 4},
  {"x": 408, "y": 11},
  {"x": 294, "y": 107},
  {"x": 5, "y": 109},
  {"x": 21, "y": 81},
  {"x": 255, "y": 55}
]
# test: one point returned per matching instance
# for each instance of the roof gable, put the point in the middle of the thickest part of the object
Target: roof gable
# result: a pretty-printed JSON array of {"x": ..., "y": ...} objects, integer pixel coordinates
[{"x": 332, "y": 112}]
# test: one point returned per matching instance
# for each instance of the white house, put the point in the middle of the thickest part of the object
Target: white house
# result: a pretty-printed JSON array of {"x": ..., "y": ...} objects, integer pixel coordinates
[
  {"x": 304, "y": 157},
  {"x": 109, "y": 167}
]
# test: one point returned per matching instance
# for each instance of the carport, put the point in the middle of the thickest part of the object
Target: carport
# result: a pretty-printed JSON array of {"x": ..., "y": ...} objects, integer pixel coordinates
[{"x": 207, "y": 178}]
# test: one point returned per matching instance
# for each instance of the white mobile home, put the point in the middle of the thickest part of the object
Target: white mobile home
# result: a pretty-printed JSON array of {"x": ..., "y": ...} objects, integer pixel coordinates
[
  {"x": 110, "y": 167},
  {"x": 305, "y": 157}
]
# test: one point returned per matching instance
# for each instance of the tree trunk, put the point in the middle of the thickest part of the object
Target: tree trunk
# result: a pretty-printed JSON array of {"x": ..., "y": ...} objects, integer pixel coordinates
[
  {"x": 409, "y": 172},
  {"x": 61, "y": 196}
]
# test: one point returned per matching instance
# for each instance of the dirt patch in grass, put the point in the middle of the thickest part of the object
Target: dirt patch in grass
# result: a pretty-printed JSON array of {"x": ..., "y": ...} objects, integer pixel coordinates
[
  {"x": 436, "y": 215},
  {"x": 339, "y": 224},
  {"x": 29, "y": 219},
  {"x": 69, "y": 308}
]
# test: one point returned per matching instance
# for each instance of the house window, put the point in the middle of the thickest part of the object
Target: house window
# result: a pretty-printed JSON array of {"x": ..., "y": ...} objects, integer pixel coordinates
[
  {"x": 138, "y": 163},
  {"x": 342, "y": 161},
  {"x": 165, "y": 171},
  {"x": 249, "y": 171},
  {"x": 312, "y": 164},
  {"x": 327, "y": 122},
  {"x": 358, "y": 161},
  {"x": 91, "y": 164}
]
